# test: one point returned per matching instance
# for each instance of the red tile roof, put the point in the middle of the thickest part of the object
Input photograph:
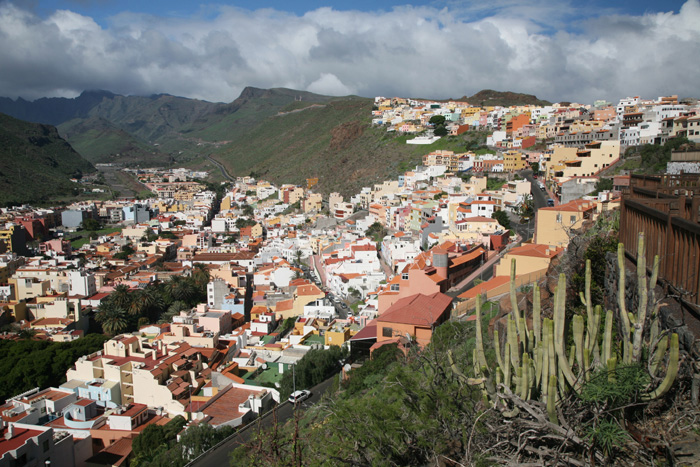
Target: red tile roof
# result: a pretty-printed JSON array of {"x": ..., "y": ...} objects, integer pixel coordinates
[
  {"x": 419, "y": 309},
  {"x": 368, "y": 332},
  {"x": 534, "y": 250}
]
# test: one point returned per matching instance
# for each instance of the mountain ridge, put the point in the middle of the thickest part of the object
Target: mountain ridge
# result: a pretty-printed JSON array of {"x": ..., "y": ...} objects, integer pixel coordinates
[
  {"x": 262, "y": 131},
  {"x": 36, "y": 163}
]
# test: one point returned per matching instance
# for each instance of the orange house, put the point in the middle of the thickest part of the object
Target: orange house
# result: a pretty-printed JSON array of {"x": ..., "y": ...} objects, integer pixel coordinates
[{"x": 414, "y": 316}]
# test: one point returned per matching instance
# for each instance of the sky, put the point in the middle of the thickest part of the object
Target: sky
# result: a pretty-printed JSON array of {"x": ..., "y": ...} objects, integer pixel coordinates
[{"x": 559, "y": 50}]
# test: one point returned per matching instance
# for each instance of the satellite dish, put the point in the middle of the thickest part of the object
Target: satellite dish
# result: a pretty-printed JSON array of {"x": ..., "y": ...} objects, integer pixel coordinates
[
  {"x": 428, "y": 263},
  {"x": 264, "y": 366}
]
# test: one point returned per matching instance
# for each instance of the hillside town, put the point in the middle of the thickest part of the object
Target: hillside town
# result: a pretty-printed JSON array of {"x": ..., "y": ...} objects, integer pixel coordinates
[{"x": 284, "y": 270}]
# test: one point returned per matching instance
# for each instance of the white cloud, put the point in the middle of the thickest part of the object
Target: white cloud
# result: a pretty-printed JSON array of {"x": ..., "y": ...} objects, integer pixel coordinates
[
  {"x": 409, "y": 51},
  {"x": 329, "y": 84}
]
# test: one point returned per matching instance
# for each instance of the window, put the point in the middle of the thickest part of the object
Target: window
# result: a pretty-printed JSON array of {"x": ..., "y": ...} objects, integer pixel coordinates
[
  {"x": 572, "y": 220},
  {"x": 45, "y": 445},
  {"x": 394, "y": 287},
  {"x": 559, "y": 218},
  {"x": 404, "y": 276},
  {"x": 387, "y": 332}
]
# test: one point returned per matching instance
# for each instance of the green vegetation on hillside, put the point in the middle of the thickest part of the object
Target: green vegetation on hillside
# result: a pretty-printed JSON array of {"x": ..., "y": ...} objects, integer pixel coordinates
[
  {"x": 652, "y": 158},
  {"x": 488, "y": 97},
  {"x": 100, "y": 141},
  {"x": 36, "y": 164},
  {"x": 27, "y": 364},
  {"x": 280, "y": 134}
]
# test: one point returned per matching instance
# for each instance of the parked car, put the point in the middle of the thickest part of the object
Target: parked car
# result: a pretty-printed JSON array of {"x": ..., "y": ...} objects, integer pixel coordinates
[
  {"x": 299, "y": 396},
  {"x": 550, "y": 202}
]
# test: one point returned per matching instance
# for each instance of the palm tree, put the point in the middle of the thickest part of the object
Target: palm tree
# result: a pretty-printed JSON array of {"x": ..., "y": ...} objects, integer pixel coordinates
[
  {"x": 120, "y": 297},
  {"x": 200, "y": 275},
  {"x": 111, "y": 318},
  {"x": 173, "y": 310},
  {"x": 181, "y": 288}
]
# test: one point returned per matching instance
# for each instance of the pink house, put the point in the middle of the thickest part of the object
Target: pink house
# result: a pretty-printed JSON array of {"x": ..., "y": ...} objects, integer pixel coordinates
[
  {"x": 431, "y": 272},
  {"x": 216, "y": 321}
]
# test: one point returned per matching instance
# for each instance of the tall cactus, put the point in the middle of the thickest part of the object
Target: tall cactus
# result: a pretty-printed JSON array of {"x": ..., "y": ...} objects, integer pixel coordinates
[{"x": 535, "y": 362}]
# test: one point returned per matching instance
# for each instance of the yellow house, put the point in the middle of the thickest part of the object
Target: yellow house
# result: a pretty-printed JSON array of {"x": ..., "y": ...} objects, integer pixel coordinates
[
  {"x": 312, "y": 202},
  {"x": 226, "y": 202},
  {"x": 528, "y": 258},
  {"x": 553, "y": 225},
  {"x": 272, "y": 221},
  {"x": 256, "y": 231},
  {"x": 337, "y": 334},
  {"x": 574, "y": 162},
  {"x": 303, "y": 295},
  {"x": 27, "y": 288},
  {"x": 513, "y": 161}
]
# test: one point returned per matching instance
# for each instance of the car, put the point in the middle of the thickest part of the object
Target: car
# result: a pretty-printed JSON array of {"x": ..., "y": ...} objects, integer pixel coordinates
[
  {"x": 299, "y": 396},
  {"x": 550, "y": 202}
]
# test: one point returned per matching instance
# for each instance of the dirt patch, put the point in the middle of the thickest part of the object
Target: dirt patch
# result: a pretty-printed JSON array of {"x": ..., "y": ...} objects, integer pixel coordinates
[{"x": 343, "y": 135}]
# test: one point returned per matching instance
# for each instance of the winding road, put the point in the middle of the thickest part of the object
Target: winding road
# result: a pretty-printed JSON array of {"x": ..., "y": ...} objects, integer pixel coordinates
[{"x": 221, "y": 167}]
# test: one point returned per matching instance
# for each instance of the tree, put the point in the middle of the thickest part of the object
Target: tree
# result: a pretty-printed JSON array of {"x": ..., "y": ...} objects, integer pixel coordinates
[
  {"x": 155, "y": 439},
  {"x": 527, "y": 208},
  {"x": 125, "y": 252},
  {"x": 181, "y": 288},
  {"x": 437, "y": 120},
  {"x": 91, "y": 224},
  {"x": 242, "y": 222},
  {"x": 603, "y": 184},
  {"x": 120, "y": 297},
  {"x": 112, "y": 319},
  {"x": 376, "y": 232},
  {"x": 173, "y": 310},
  {"x": 440, "y": 130},
  {"x": 198, "y": 439},
  {"x": 535, "y": 166},
  {"x": 502, "y": 218},
  {"x": 316, "y": 366}
]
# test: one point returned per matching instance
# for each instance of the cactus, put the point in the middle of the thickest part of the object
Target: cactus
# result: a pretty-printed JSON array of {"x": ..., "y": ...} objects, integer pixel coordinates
[
  {"x": 624, "y": 319},
  {"x": 480, "y": 359},
  {"x": 536, "y": 363},
  {"x": 658, "y": 355},
  {"x": 671, "y": 372},
  {"x": 607, "y": 337},
  {"x": 551, "y": 400}
]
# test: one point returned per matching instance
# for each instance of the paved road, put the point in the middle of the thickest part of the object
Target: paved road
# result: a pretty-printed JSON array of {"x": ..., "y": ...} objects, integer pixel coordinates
[
  {"x": 221, "y": 168},
  {"x": 220, "y": 455},
  {"x": 538, "y": 195}
]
